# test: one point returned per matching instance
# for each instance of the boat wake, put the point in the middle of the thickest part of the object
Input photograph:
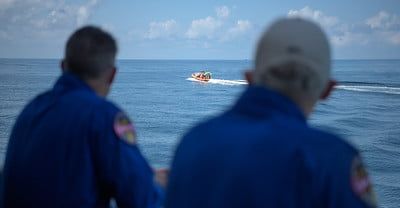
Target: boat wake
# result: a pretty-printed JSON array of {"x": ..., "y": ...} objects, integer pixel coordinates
[
  {"x": 221, "y": 81},
  {"x": 349, "y": 86},
  {"x": 370, "y": 88}
]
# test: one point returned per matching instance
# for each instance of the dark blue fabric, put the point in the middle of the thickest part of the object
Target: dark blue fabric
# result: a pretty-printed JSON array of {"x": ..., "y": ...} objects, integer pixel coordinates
[
  {"x": 63, "y": 152},
  {"x": 1, "y": 190},
  {"x": 261, "y": 153}
]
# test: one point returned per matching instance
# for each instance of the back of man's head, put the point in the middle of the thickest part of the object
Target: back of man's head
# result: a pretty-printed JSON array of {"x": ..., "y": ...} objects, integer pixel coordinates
[
  {"x": 293, "y": 57},
  {"x": 89, "y": 52}
]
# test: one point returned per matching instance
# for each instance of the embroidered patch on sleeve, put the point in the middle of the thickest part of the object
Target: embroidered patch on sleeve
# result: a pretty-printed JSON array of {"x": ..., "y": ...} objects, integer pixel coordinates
[
  {"x": 361, "y": 183},
  {"x": 124, "y": 129}
]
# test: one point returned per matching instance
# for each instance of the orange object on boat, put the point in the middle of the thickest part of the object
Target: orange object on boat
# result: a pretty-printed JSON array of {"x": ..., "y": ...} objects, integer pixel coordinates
[{"x": 202, "y": 76}]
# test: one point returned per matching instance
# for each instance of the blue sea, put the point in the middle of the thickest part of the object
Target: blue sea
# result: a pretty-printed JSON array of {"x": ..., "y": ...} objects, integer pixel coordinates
[{"x": 164, "y": 103}]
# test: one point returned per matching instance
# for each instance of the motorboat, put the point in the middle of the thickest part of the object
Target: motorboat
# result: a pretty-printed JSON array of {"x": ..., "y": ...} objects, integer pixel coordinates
[{"x": 204, "y": 76}]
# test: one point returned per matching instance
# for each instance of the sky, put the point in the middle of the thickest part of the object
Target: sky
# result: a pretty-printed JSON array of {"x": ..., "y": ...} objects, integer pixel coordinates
[{"x": 207, "y": 29}]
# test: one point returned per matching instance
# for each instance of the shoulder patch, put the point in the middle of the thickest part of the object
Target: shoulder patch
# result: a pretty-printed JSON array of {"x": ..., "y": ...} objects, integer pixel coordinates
[
  {"x": 124, "y": 129},
  {"x": 361, "y": 184}
]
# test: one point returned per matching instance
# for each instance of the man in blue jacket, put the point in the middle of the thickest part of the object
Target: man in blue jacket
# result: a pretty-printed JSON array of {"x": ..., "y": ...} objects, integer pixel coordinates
[
  {"x": 262, "y": 152},
  {"x": 70, "y": 147}
]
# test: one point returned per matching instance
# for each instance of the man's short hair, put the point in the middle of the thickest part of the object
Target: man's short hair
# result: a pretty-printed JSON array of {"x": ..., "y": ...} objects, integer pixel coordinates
[
  {"x": 89, "y": 52},
  {"x": 293, "y": 56}
]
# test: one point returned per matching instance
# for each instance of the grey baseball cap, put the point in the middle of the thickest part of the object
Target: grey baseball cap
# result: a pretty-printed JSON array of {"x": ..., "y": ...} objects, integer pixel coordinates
[{"x": 294, "y": 40}]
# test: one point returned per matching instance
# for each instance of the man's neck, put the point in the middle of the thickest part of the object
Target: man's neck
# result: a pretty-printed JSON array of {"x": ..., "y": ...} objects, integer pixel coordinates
[
  {"x": 305, "y": 104},
  {"x": 98, "y": 86}
]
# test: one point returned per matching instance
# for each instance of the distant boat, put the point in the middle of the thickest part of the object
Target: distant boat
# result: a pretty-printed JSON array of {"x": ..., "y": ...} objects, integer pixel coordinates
[{"x": 204, "y": 76}]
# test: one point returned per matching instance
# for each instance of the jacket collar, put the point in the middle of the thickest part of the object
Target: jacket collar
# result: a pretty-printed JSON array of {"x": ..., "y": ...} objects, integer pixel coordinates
[
  {"x": 261, "y": 102},
  {"x": 68, "y": 82}
]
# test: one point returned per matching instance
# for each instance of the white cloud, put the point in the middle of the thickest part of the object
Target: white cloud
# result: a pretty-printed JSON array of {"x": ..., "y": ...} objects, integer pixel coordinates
[
  {"x": 206, "y": 27},
  {"x": 385, "y": 27},
  {"x": 352, "y": 36},
  {"x": 217, "y": 28},
  {"x": 348, "y": 37},
  {"x": 4, "y": 4},
  {"x": 43, "y": 17},
  {"x": 376, "y": 21},
  {"x": 222, "y": 11},
  {"x": 206, "y": 45},
  {"x": 340, "y": 33},
  {"x": 391, "y": 37},
  {"x": 161, "y": 29},
  {"x": 84, "y": 12},
  {"x": 383, "y": 20},
  {"x": 240, "y": 28},
  {"x": 380, "y": 28},
  {"x": 395, "y": 38},
  {"x": 108, "y": 27},
  {"x": 315, "y": 15}
]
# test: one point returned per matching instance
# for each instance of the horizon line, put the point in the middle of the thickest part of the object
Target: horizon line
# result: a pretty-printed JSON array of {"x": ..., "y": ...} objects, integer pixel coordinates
[{"x": 200, "y": 59}]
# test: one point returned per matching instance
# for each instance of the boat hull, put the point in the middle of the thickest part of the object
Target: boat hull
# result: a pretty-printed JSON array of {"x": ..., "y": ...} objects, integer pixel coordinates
[{"x": 197, "y": 77}]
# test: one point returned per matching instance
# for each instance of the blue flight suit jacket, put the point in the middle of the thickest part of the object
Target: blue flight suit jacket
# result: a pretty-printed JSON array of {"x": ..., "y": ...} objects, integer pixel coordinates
[
  {"x": 66, "y": 150},
  {"x": 262, "y": 153}
]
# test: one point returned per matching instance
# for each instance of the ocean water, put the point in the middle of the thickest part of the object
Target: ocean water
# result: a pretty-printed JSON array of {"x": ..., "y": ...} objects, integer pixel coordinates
[{"x": 164, "y": 103}]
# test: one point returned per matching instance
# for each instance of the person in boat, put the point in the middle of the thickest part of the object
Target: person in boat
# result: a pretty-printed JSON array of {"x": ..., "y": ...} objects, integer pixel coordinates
[
  {"x": 262, "y": 152},
  {"x": 203, "y": 74},
  {"x": 207, "y": 75},
  {"x": 70, "y": 147}
]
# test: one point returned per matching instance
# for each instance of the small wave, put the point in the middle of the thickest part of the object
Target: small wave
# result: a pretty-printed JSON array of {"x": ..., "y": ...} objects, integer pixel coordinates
[
  {"x": 350, "y": 86},
  {"x": 374, "y": 89},
  {"x": 221, "y": 81}
]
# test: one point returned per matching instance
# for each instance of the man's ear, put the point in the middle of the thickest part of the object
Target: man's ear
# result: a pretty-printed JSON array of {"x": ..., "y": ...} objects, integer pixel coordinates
[
  {"x": 112, "y": 75},
  {"x": 63, "y": 66},
  {"x": 249, "y": 76},
  {"x": 329, "y": 88}
]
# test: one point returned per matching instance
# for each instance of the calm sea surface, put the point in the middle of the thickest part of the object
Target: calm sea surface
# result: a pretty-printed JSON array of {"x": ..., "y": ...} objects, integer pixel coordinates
[{"x": 164, "y": 103}]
